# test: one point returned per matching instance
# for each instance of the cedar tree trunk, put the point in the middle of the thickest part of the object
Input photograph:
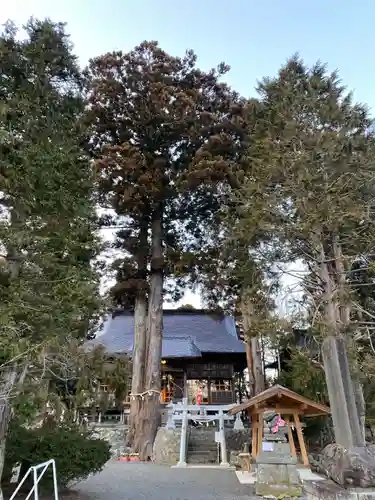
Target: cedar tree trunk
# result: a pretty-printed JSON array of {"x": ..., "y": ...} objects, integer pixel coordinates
[
  {"x": 253, "y": 351},
  {"x": 12, "y": 375},
  {"x": 138, "y": 365},
  {"x": 151, "y": 403},
  {"x": 249, "y": 360},
  {"x": 257, "y": 365},
  {"x": 344, "y": 317},
  {"x": 361, "y": 407},
  {"x": 339, "y": 382},
  {"x": 139, "y": 347}
]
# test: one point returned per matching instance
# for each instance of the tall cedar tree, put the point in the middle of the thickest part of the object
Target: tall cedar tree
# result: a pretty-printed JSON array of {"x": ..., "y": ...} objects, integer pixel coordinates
[
  {"x": 48, "y": 289},
  {"x": 230, "y": 279},
  {"x": 313, "y": 162},
  {"x": 165, "y": 135},
  {"x": 230, "y": 273}
]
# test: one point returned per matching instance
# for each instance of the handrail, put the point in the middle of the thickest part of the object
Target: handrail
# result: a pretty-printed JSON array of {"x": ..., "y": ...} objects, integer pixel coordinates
[{"x": 34, "y": 469}]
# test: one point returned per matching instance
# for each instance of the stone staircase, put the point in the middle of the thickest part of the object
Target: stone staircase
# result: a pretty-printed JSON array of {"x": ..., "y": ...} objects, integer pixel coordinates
[{"x": 202, "y": 448}]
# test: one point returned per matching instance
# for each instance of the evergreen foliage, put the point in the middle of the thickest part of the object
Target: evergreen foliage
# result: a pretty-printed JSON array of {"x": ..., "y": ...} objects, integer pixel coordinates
[
  {"x": 48, "y": 285},
  {"x": 49, "y": 288},
  {"x": 163, "y": 132},
  {"x": 309, "y": 188},
  {"x": 76, "y": 452},
  {"x": 206, "y": 189},
  {"x": 165, "y": 136}
]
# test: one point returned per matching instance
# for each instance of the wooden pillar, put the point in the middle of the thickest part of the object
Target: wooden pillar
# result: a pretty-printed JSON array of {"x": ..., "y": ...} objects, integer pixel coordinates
[
  {"x": 185, "y": 391},
  {"x": 301, "y": 440},
  {"x": 260, "y": 432},
  {"x": 209, "y": 397},
  {"x": 254, "y": 434},
  {"x": 291, "y": 440}
]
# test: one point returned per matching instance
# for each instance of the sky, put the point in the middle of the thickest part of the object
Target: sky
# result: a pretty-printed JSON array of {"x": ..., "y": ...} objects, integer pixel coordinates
[{"x": 254, "y": 37}]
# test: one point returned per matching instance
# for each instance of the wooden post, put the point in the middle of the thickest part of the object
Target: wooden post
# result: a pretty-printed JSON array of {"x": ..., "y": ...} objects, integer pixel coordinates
[
  {"x": 185, "y": 391},
  {"x": 233, "y": 392},
  {"x": 254, "y": 434},
  {"x": 260, "y": 432},
  {"x": 291, "y": 440},
  {"x": 301, "y": 440}
]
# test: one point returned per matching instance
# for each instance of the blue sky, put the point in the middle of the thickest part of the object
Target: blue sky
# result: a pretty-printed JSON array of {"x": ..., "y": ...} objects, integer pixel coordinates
[{"x": 253, "y": 37}]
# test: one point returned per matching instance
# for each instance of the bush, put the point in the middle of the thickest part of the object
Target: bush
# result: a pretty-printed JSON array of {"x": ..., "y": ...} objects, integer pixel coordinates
[{"x": 76, "y": 454}]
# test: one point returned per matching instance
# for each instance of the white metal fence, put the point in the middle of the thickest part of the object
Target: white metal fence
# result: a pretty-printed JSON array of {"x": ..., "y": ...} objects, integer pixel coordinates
[{"x": 37, "y": 476}]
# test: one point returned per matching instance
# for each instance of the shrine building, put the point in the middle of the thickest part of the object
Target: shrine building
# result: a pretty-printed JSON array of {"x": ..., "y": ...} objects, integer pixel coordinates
[{"x": 201, "y": 358}]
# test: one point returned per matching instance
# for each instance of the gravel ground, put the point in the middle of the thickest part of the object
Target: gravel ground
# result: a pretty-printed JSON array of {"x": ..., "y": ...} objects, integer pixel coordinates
[{"x": 140, "y": 481}]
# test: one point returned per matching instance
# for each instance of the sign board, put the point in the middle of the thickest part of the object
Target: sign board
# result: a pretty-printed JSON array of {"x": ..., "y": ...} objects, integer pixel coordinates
[
  {"x": 217, "y": 437},
  {"x": 267, "y": 446}
]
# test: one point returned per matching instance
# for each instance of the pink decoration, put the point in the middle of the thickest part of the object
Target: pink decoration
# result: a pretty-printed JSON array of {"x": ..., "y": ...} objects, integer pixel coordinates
[
  {"x": 279, "y": 423},
  {"x": 199, "y": 398}
]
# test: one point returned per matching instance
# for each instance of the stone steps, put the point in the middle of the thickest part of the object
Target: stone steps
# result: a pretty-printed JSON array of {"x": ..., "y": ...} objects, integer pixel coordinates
[
  {"x": 202, "y": 457},
  {"x": 200, "y": 433},
  {"x": 202, "y": 448},
  {"x": 202, "y": 444}
]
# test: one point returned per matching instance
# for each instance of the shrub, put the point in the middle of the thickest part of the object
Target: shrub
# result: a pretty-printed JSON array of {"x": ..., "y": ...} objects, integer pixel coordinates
[{"x": 77, "y": 455}]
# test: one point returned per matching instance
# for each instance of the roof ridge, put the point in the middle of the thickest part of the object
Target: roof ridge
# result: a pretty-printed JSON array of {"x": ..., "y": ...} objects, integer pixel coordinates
[
  {"x": 178, "y": 337},
  {"x": 182, "y": 332},
  {"x": 273, "y": 390},
  {"x": 177, "y": 312}
]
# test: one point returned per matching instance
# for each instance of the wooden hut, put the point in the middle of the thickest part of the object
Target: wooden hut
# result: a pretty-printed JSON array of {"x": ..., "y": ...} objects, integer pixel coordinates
[{"x": 290, "y": 406}]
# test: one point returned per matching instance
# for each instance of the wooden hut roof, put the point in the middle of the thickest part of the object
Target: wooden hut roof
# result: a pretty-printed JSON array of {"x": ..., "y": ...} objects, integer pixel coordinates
[{"x": 279, "y": 397}]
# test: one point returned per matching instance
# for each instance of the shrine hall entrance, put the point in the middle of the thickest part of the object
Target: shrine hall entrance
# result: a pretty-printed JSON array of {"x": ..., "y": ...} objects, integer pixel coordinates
[
  {"x": 198, "y": 391},
  {"x": 210, "y": 392},
  {"x": 208, "y": 382}
]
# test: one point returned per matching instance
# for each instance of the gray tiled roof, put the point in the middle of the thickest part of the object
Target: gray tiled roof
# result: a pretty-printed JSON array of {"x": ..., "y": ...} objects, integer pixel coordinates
[{"x": 185, "y": 335}]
